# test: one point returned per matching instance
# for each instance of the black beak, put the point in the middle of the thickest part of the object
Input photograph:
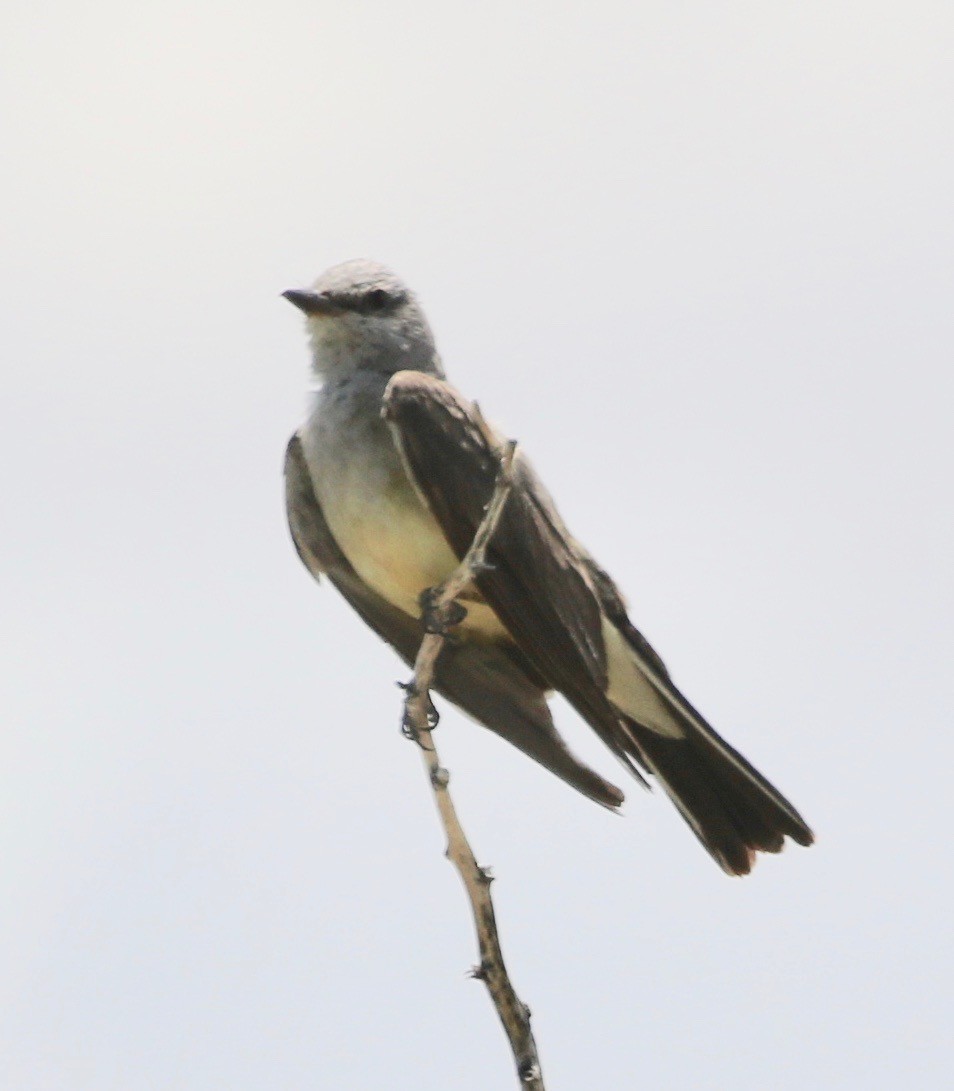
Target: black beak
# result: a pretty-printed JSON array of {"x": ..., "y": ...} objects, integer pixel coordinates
[{"x": 311, "y": 302}]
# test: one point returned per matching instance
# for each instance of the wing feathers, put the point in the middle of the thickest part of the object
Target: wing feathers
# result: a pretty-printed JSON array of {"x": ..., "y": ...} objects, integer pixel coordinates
[
  {"x": 570, "y": 622},
  {"x": 534, "y": 582}
]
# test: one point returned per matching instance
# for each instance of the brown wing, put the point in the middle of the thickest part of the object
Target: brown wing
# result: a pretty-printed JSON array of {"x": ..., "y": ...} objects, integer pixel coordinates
[
  {"x": 536, "y": 581},
  {"x": 481, "y": 679},
  {"x": 552, "y": 598}
]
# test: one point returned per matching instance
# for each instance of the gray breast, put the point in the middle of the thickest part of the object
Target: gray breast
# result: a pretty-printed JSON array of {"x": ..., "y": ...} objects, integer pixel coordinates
[{"x": 371, "y": 506}]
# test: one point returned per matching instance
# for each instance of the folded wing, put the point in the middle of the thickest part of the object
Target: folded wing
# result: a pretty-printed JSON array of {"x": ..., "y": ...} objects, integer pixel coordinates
[{"x": 569, "y": 621}]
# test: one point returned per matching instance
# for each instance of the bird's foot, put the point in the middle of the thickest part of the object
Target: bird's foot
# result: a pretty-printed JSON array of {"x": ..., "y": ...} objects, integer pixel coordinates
[
  {"x": 439, "y": 618},
  {"x": 409, "y": 728}
]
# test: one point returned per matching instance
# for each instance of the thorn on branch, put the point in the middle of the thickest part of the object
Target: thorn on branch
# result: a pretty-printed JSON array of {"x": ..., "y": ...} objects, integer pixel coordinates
[
  {"x": 529, "y": 1072},
  {"x": 479, "y": 973}
]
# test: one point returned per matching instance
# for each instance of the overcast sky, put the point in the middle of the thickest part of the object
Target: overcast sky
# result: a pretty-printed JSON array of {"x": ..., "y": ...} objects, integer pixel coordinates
[{"x": 698, "y": 258}]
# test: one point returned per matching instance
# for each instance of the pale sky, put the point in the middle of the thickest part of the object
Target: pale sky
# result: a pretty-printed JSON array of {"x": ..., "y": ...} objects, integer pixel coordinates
[{"x": 698, "y": 258}]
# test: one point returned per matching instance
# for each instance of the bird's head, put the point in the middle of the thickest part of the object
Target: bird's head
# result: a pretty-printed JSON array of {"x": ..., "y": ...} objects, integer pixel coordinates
[{"x": 360, "y": 316}]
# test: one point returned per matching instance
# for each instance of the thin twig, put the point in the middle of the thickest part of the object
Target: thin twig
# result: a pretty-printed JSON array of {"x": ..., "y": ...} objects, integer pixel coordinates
[{"x": 418, "y": 719}]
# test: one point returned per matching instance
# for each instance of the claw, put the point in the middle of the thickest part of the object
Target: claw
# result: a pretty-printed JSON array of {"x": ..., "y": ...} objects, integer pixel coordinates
[
  {"x": 432, "y": 716},
  {"x": 440, "y": 618}
]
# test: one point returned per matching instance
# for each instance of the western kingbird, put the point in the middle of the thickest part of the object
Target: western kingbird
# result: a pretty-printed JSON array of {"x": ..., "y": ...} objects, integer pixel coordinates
[{"x": 386, "y": 485}]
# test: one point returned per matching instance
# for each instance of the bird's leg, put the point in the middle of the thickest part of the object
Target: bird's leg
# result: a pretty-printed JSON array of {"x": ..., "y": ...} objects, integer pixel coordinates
[{"x": 439, "y": 616}]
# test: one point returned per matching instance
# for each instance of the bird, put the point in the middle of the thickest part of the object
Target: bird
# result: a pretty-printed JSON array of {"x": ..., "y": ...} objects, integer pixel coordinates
[{"x": 386, "y": 484}]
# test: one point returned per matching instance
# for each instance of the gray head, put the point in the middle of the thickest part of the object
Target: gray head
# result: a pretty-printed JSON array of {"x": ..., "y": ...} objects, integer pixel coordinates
[{"x": 362, "y": 317}]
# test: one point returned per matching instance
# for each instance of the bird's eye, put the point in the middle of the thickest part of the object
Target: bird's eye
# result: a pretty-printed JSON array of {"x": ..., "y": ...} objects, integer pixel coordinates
[{"x": 377, "y": 299}]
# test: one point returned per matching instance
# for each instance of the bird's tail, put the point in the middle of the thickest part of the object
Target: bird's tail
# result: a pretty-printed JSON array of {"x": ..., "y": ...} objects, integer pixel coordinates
[
  {"x": 726, "y": 801},
  {"x": 729, "y": 805}
]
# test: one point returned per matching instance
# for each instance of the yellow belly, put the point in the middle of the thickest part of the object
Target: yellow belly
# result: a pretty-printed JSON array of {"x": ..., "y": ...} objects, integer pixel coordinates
[{"x": 396, "y": 546}]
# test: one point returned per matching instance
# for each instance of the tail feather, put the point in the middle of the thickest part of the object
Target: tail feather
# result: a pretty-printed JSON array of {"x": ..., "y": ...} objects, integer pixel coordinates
[{"x": 728, "y": 804}]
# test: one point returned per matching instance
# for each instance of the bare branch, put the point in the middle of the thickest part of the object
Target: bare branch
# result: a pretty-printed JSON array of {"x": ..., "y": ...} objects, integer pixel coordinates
[{"x": 442, "y": 612}]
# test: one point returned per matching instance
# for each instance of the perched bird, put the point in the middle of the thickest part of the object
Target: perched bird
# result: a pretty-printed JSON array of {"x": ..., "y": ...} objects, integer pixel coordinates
[{"x": 386, "y": 484}]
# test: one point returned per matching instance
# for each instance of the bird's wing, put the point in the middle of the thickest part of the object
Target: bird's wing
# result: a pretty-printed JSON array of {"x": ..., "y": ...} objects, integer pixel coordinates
[
  {"x": 560, "y": 607},
  {"x": 536, "y": 579},
  {"x": 484, "y": 680}
]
